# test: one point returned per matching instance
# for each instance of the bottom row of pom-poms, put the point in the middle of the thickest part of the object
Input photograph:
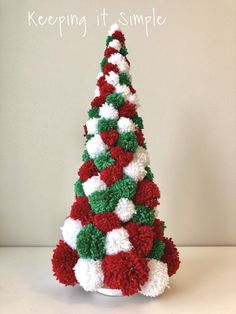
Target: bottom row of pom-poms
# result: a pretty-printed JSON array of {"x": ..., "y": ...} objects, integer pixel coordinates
[{"x": 125, "y": 271}]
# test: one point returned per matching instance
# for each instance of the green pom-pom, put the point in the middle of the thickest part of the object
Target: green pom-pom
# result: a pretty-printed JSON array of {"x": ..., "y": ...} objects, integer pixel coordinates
[
  {"x": 88, "y": 137},
  {"x": 103, "y": 161},
  {"x": 86, "y": 156},
  {"x": 93, "y": 112},
  {"x": 124, "y": 78},
  {"x": 128, "y": 141},
  {"x": 149, "y": 174},
  {"x": 138, "y": 121},
  {"x": 90, "y": 243},
  {"x": 106, "y": 124},
  {"x": 157, "y": 250},
  {"x": 144, "y": 215},
  {"x": 123, "y": 51},
  {"x": 79, "y": 191},
  {"x": 103, "y": 201},
  {"x": 108, "y": 40},
  {"x": 104, "y": 61},
  {"x": 125, "y": 187},
  {"x": 116, "y": 99}
]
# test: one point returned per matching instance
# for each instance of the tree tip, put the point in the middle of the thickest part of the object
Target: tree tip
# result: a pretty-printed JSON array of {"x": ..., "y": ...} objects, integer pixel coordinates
[{"x": 114, "y": 27}]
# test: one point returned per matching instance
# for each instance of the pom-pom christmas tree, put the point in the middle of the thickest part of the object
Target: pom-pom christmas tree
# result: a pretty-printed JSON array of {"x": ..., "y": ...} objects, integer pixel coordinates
[{"x": 113, "y": 238}]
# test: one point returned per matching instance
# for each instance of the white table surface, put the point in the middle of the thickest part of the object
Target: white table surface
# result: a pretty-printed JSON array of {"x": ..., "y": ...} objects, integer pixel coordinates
[{"x": 206, "y": 283}]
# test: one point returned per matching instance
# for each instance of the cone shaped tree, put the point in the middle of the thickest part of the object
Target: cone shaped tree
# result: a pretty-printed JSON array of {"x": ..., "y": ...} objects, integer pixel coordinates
[{"x": 113, "y": 237}]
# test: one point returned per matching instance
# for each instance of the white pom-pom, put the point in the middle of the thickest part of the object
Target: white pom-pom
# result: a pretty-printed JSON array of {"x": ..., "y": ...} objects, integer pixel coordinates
[
  {"x": 112, "y": 78},
  {"x": 133, "y": 99},
  {"x": 123, "y": 89},
  {"x": 97, "y": 92},
  {"x": 142, "y": 156},
  {"x": 100, "y": 74},
  {"x": 119, "y": 60},
  {"x": 125, "y": 125},
  {"x": 107, "y": 111},
  {"x": 92, "y": 126},
  {"x": 158, "y": 279},
  {"x": 125, "y": 209},
  {"x": 135, "y": 170},
  {"x": 114, "y": 27},
  {"x": 89, "y": 274},
  {"x": 115, "y": 44},
  {"x": 95, "y": 146},
  {"x": 117, "y": 240},
  {"x": 93, "y": 184},
  {"x": 70, "y": 230}
]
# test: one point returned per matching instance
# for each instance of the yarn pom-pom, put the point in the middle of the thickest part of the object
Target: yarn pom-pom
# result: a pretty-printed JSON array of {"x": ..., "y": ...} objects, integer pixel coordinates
[
  {"x": 125, "y": 271},
  {"x": 111, "y": 174},
  {"x": 110, "y": 137},
  {"x": 121, "y": 156},
  {"x": 158, "y": 279},
  {"x": 63, "y": 260},
  {"x": 127, "y": 110},
  {"x": 107, "y": 221},
  {"x": 93, "y": 184},
  {"x": 117, "y": 240},
  {"x": 89, "y": 274},
  {"x": 96, "y": 146},
  {"x": 98, "y": 101},
  {"x": 91, "y": 242},
  {"x": 157, "y": 229},
  {"x": 81, "y": 210},
  {"x": 87, "y": 170},
  {"x": 119, "y": 36},
  {"x": 125, "y": 209},
  {"x": 110, "y": 67},
  {"x": 147, "y": 193},
  {"x": 140, "y": 137},
  {"x": 70, "y": 229},
  {"x": 141, "y": 237},
  {"x": 171, "y": 256}
]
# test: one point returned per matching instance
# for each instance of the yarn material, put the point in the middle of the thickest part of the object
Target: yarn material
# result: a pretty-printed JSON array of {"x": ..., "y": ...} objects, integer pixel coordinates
[
  {"x": 158, "y": 279},
  {"x": 90, "y": 242},
  {"x": 63, "y": 260}
]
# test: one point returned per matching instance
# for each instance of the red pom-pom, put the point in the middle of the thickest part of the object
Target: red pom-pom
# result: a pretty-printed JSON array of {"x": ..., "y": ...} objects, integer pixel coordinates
[
  {"x": 85, "y": 130},
  {"x": 98, "y": 101},
  {"x": 147, "y": 193},
  {"x": 107, "y": 89},
  {"x": 157, "y": 229},
  {"x": 87, "y": 170},
  {"x": 122, "y": 157},
  {"x": 111, "y": 174},
  {"x": 109, "y": 51},
  {"x": 140, "y": 137},
  {"x": 141, "y": 237},
  {"x": 63, "y": 261},
  {"x": 81, "y": 210},
  {"x": 133, "y": 91},
  {"x": 110, "y": 137},
  {"x": 171, "y": 256},
  {"x": 119, "y": 36},
  {"x": 107, "y": 221},
  {"x": 110, "y": 67},
  {"x": 125, "y": 271},
  {"x": 127, "y": 110},
  {"x": 101, "y": 81}
]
